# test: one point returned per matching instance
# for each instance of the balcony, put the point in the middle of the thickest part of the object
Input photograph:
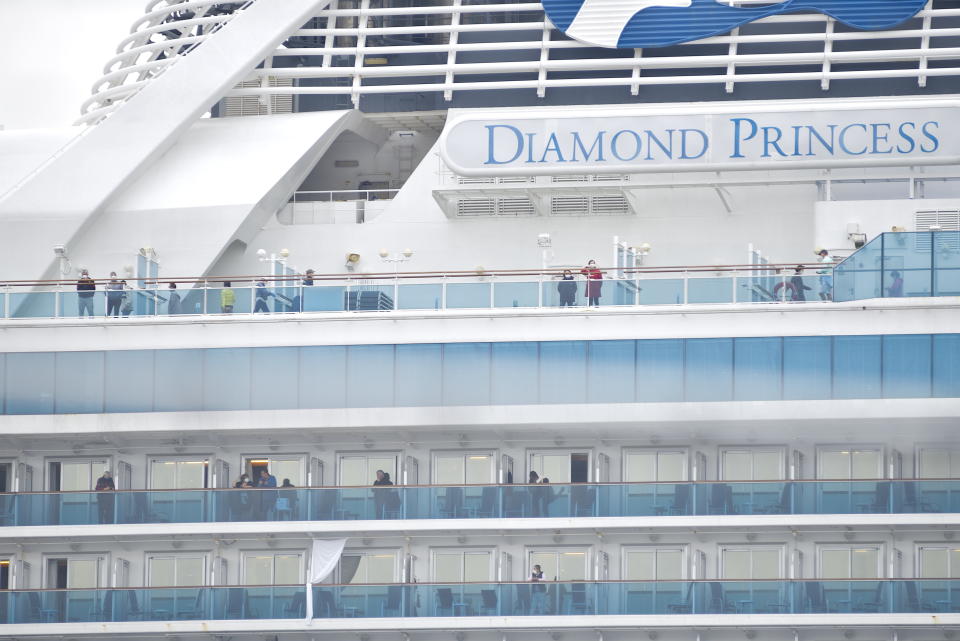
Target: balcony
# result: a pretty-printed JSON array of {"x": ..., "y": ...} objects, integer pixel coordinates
[
  {"x": 901, "y": 265},
  {"x": 409, "y": 601},
  {"x": 893, "y": 265},
  {"x": 481, "y": 502}
]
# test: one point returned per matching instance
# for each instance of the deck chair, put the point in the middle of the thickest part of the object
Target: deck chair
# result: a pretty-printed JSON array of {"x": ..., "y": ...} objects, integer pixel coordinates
[
  {"x": 324, "y": 605},
  {"x": 297, "y": 608},
  {"x": 194, "y": 611},
  {"x": 579, "y": 604},
  {"x": 488, "y": 602},
  {"x": 686, "y": 605},
  {"x": 488, "y": 503},
  {"x": 102, "y": 609},
  {"x": 912, "y": 502},
  {"x": 876, "y": 603},
  {"x": 718, "y": 600},
  {"x": 393, "y": 602},
  {"x": 913, "y": 599},
  {"x": 238, "y": 605}
]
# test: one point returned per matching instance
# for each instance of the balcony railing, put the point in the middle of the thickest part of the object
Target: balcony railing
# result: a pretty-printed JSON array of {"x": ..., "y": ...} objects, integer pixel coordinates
[
  {"x": 902, "y": 264},
  {"x": 893, "y": 265},
  {"x": 481, "y": 501},
  {"x": 408, "y": 291},
  {"x": 549, "y": 598}
]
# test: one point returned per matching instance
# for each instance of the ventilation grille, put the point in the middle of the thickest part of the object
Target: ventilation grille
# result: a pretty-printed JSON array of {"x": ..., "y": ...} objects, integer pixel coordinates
[
  {"x": 589, "y": 206},
  {"x": 946, "y": 220},
  {"x": 559, "y": 206},
  {"x": 489, "y": 207},
  {"x": 259, "y": 106}
]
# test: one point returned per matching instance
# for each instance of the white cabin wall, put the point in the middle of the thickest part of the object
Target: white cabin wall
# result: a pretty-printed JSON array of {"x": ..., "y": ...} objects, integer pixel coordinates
[{"x": 831, "y": 219}]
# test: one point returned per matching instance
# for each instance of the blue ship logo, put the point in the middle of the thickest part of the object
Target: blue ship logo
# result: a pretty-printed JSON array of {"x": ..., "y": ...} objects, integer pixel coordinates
[{"x": 629, "y": 24}]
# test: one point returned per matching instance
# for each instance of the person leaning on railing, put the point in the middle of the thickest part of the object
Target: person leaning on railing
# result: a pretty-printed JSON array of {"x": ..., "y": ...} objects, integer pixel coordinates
[
  {"x": 227, "y": 299},
  {"x": 86, "y": 287}
]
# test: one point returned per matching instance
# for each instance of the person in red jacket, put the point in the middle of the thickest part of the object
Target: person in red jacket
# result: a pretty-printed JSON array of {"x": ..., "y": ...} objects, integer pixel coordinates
[{"x": 594, "y": 283}]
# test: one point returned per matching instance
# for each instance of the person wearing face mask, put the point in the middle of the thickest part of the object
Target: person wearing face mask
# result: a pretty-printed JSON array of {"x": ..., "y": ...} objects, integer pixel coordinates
[
  {"x": 567, "y": 288},
  {"x": 240, "y": 506},
  {"x": 594, "y": 283}
]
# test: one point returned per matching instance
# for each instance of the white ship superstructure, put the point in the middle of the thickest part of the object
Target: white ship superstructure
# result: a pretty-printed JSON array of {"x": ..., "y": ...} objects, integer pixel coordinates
[{"x": 515, "y": 337}]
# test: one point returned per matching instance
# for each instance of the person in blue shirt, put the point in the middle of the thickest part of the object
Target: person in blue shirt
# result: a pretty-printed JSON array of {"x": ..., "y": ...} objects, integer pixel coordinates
[{"x": 263, "y": 294}]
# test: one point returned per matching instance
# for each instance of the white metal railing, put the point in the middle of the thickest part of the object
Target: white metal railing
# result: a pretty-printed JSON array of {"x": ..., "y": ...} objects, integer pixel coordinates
[
  {"x": 799, "y": 47},
  {"x": 386, "y": 292},
  {"x": 180, "y": 25}
]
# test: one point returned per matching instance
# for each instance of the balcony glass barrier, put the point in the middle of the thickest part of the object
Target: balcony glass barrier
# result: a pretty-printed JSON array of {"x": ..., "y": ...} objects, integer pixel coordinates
[
  {"x": 899, "y": 265},
  {"x": 794, "y": 368},
  {"x": 892, "y": 265},
  {"x": 405, "y": 293},
  {"x": 480, "y": 501},
  {"x": 547, "y": 598}
]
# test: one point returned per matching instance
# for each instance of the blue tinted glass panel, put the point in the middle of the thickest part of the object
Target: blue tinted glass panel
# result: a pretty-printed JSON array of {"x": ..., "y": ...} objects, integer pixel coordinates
[
  {"x": 422, "y": 296},
  {"x": 515, "y": 373},
  {"x": 946, "y": 366},
  {"x": 323, "y": 299},
  {"x": 33, "y": 305},
  {"x": 906, "y": 366},
  {"x": 856, "y": 367},
  {"x": 660, "y": 371},
  {"x": 515, "y": 294},
  {"x": 710, "y": 290},
  {"x": 709, "y": 369},
  {"x": 178, "y": 380},
  {"x": 323, "y": 377},
  {"x": 129, "y": 381},
  {"x": 3, "y": 383},
  {"x": 79, "y": 383},
  {"x": 757, "y": 368},
  {"x": 612, "y": 372},
  {"x": 661, "y": 291},
  {"x": 226, "y": 379},
  {"x": 370, "y": 376},
  {"x": 806, "y": 367},
  {"x": 274, "y": 378},
  {"x": 30, "y": 383},
  {"x": 466, "y": 374},
  {"x": 563, "y": 372},
  {"x": 419, "y": 375},
  {"x": 468, "y": 295}
]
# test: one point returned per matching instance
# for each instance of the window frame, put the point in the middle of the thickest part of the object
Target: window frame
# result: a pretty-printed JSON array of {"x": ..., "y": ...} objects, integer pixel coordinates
[
  {"x": 245, "y": 554},
  {"x": 180, "y": 458},
  {"x": 569, "y": 451},
  {"x": 588, "y": 554},
  {"x": 681, "y": 449},
  {"x": 920, "y": 448},
  {"x": 491, "y": 552},
  {"x": 302, "y": 456},
  {"x": 397, "y": 454},
  {"x": 107, "y": 461},
  {"x": 851, "y": 447},
  {"x": 781, "y": 450},
  {"x": 492, "y": 454},
  {"x": 944, "y": 545},
  {"x": 683, "y": 548},
  {"x": 722, "y": 549},
  {"x": 103, "y": 569},
  {"x": 850, "y": 547},
  {"x": 398, "y": 554},
  {"x": 150, "y": 556}
]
